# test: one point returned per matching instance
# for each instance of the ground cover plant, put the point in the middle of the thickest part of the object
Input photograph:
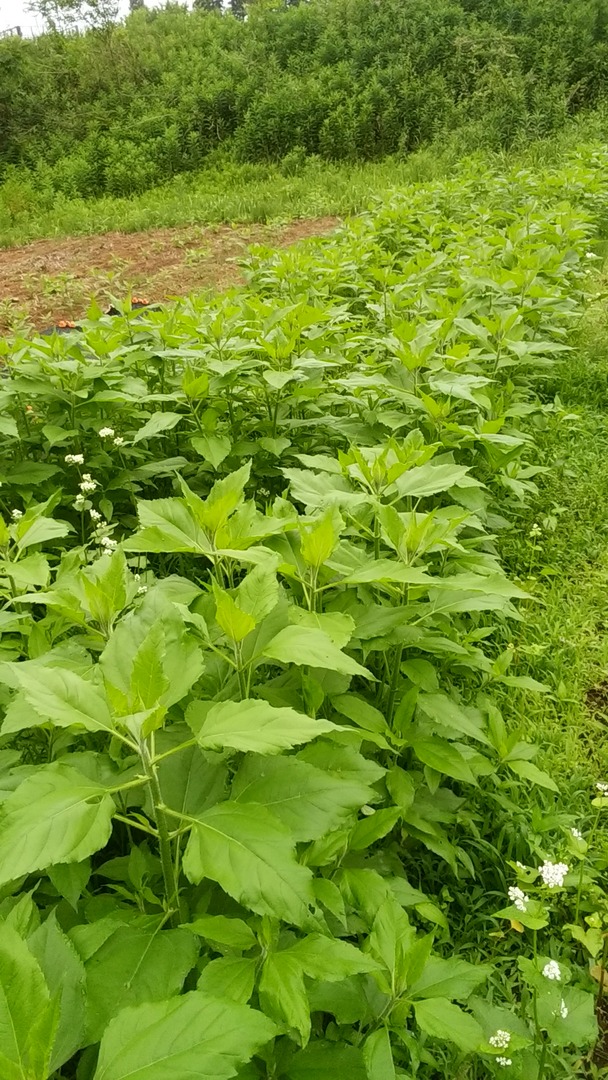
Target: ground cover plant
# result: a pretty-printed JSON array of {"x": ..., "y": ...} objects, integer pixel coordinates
[{"x": 269, "y": 802}]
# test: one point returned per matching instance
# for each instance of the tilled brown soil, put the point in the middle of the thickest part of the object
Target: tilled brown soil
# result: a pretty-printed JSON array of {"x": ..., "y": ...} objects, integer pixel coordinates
[{"x": 51, "y": 280}]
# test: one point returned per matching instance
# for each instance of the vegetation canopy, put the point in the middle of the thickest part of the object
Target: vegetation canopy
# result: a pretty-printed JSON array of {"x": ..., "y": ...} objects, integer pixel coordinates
[{"x": 269, "y": 807}]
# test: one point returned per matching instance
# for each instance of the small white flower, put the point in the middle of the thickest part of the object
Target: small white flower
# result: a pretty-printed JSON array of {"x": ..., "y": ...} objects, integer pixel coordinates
[
  {"x": 137, "y": 577},
  {"x": 521, "y": 865},
  {"x": 16, "y": 514},
  {"x": 107, "y": 543},
  {"x": 563, "y": 1009},
  {"x": 119, "y": 441},
  {"x": 95, "y": 515},
  {"x": 602, "y": 787},
  {"x": 518, "y": 897},
  {"x": 142, "y": 589},
  {"x": 79, "y": 502},
  {"x": 553, "y": 874},
  {"x": 500, "y": 1060},
  {"x": 535, "y": 530},
  {"x": 552, "y": 971},
  {"x": 74, "y": 459},
  {"x": 86, "y": 484},
  {"x": 500, "y": 1039},
  {"x": 577, "y": 834},
  {"x": 591, "y": 255},
  {"x": 106, "y": 432}
]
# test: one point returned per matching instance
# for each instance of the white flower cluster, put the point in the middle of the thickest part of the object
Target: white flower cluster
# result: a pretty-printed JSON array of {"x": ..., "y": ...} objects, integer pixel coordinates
[
  {"x": 86, "y": 484},
  {"x": 95, "y": 515},
  {"x": 16, "y": 514},
  {"x": 577, "y": 834},
  {"x": 108, "y": 544},
  {"x": 552, "y": 971},
  {"x": 535, "y": 530},
  {"x": 500, "y": 1060},
  {"x": 142, "y": 590},
  {"x": 74, "y": 459},
  {"x": 106, "y": 432},
  {"x": 518, "y": 897},
  {"x": 553, "y": 874},
  {"x": 119, "y": 441},
  {"x": 500, "y": 1039},
  {"x": 602, "y": 787}
]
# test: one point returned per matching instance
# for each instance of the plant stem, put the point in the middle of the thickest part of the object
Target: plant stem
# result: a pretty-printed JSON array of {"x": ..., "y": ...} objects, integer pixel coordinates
[{"x": 164, "y": 842}]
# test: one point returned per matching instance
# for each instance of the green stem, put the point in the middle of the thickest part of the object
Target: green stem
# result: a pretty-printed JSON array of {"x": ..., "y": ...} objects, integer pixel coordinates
[
  {"x": 543, "y": 1058},
  {"x": 164, "y": 842}
]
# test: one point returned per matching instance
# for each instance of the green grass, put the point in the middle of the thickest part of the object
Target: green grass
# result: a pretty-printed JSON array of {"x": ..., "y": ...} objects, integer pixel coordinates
[
  {"x": 226, "y": 192},
  {"x": 247, "y": 193},
  {"x": 563, "y": 639}
]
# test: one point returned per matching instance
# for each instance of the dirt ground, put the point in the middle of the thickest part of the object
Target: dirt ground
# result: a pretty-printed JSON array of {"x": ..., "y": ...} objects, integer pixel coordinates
[{"x": 50, "y": 280}]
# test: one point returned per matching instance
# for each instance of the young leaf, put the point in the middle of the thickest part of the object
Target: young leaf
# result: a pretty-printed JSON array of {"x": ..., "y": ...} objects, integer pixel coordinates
[
  {"x": 330, "y": 959},
  {"x": 56, "y": 696},
  {"x": 218, "y": 928},
  {"x": 191, "y": 1036},
  {"x": 251, "y": 855}
]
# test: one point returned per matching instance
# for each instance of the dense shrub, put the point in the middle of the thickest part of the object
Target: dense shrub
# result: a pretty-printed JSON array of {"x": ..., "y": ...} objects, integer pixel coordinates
[{"x": 122, "y": 110}]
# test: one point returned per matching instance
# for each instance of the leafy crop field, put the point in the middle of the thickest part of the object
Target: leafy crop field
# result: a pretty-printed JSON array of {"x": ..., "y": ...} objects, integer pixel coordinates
[{"x": 276, "y": 801}]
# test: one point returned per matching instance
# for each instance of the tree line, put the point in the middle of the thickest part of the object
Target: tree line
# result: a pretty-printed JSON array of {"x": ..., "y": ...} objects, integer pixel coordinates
[{"x": 121, "y": 106}]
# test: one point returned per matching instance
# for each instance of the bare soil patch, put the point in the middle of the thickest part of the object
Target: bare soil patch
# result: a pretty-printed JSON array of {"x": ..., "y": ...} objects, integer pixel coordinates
[{"x": 50, "y": 280}]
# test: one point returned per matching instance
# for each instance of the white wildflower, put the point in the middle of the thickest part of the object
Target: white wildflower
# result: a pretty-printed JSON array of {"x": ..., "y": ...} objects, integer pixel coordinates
[
  {"x": 520, "y": 865},
  {"x": 142, "y": 589},
  {"x": 563, "y": 1010},
  {"x": 602, "y": 787},
  {"x": 74, "y": 459},
  {"x": 106, "y": 433},
  {"x": 500, "y": 1039},
  {"x": 553, "y": 874},
  {"x": 107, "y": 543},
  {"x": 518, "y": 897},
  {"x": 591, "y": 255},
  {"x": 79, "y": 502},
  {"x": 16, "y": 514},
  {"x": 552, "y": 971},
  {"x": 500, "y": 1060},
  {"x": 86, "y": 484},
  {"x": 119, "y": 441},
  {"x": 95, "y": 515},
  {"x": 577, "y": 834},
  {"x": 535, "y": 530}
]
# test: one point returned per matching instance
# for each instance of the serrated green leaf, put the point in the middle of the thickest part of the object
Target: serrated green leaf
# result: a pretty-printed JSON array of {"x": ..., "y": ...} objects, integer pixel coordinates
[
  {"x": 251, "y": 855},
  {"x": 255, "y": 726},
  {"x": 195, "y": 1035}
]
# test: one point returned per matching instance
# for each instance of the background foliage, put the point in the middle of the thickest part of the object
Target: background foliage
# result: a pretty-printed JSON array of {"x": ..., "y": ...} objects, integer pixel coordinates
[{"x": 123, "y": 107}]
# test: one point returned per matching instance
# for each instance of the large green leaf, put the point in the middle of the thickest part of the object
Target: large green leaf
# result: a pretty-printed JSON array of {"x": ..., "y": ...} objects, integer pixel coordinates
[
  {"x": 304, "y": 645},
  {"x": 167, "y": 525},
  {"x": 452, "y": 978},
  {"x": 194, "y": 1037},
  {"x": 443, "y": 1020},
  {"x": 133, "y": 966},
  {"x": 322, "y": 1060},
  {"x": 27, "y": 1015},
  {"x": 378, "y": 1056},
  {"x": 330, "y": 959},
  {"x": 250, "y": 853},
  {"x": 283, "y": 994},
  {"x": 57, "y": 815},
  {"x": 310, "y": 801},
  {"x": 54, "y": 695},
  {"x": 65, "y": 977},
  {"x": 157, "y": 424},
  {"x": 255, "y": 726}
]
